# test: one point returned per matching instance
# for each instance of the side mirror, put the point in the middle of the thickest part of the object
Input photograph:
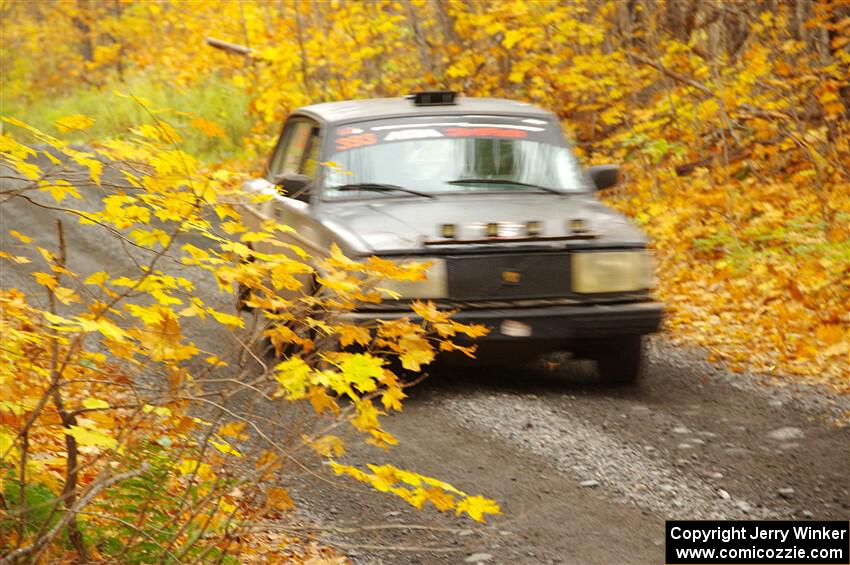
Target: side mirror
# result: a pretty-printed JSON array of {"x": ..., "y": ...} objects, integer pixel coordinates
[
  {"x": 604, "y": 176},
  {"x": 293, "y": 185}
]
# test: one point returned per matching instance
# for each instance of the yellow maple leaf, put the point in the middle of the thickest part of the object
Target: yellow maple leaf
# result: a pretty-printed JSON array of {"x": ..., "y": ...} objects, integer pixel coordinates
[
  {"x": 163, "y": 411},
  {"x": 415, "y": 497},
  {"x": 416, "y": 352},
  {"x": 194, "y": 467},
  {"x": 58, "y": 189},
  {"x": 210, "y": 129},
  {"x": 148, "y": 314},
  {"x": 58, "y": 320},
  {"x": 321, "y": 400},
  {"x": 252, "y": 237},
  {"x": 367, "y": 416},
  {"x": 429, "y": 312},
  {"x": 231, "y": 228},
  {"x": 350, "y": 333},
  {"x": 391, "y": 399},
  {"x": 829, "y": 333},
  {"x": 95, "y": 403},
  {"x": 19, "y": 259},
  {"x": 105, "y": 327},
  {"x": 66, "y": 295},
  {"x": 46, "y": 279},
  {"x": 161, "y": 337},
  {"x": 226, "y": 319},
  {"x": 165, "y": 298},
  {"x": 149, "y": 238},
  {"x": 224, "y": 447},
  {"x": 328, "y": 445},
  {"x": 294, "y": 376},
  {"x": 278, "y": 498},
  {"x": 234, "y": 430},
  {"x": 381, "y": 438},
  {"x": 75, "y": 122},
  {"x": 91, "y": 438},
  {"x": 362, "y": 370},
  {"x": 440, "y": 498},
  {"x": 215, "y": 361},
  {"x": 97, "y": 278},
  {"x": 477, "y": 507},
  {"x": 471, "y": 330},
  {"x": 18, "y": 235},
  {"x": 267, "y": 463},
  {"x": 282, "y": 275},
  {"x": 124, "y": 281}
]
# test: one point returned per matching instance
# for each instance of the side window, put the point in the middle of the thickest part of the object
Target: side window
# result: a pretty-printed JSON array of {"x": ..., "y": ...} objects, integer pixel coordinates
[
  {"x": 299, "y": 144},
  {"x": 310, "y": 165}
]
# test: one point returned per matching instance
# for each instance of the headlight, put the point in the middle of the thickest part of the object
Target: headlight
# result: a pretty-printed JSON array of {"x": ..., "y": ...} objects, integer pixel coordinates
[
  {"x": 611, "y": 271},
  {"x": 435, "y": 286}
]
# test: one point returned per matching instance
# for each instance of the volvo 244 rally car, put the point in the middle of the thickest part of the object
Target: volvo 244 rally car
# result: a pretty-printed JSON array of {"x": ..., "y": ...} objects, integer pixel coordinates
[{"x": 488, "y": 192}]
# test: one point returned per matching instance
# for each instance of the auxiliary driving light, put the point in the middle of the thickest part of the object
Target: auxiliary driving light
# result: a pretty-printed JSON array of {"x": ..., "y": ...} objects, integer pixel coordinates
[
  {"x": 533, "y": 228},
  {"x": 578, "y": 225},
  {"x": 492, "y": 229},
  {"x": 448, "y": 231}
]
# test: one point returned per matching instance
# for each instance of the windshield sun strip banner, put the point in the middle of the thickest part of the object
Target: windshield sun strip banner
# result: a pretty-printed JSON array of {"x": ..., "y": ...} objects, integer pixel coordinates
[
  {"x": 456, "y": 124},
  {"x": 361, "y": 135}
]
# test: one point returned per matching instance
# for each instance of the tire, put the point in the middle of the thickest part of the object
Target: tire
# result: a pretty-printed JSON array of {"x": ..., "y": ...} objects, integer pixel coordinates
[
  {"x": 303, "y": 332},
  {"x": 619, "y": 360},
  {"x": 242, "y": 294},
  {"x": 242, "y": 291}
]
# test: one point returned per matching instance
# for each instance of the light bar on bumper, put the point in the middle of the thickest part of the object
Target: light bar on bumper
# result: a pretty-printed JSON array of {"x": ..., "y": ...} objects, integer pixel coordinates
[{"x": 611, "y": 271}]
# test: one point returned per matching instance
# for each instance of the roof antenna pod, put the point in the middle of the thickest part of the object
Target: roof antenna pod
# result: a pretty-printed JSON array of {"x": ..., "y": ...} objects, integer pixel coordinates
[{"x": 433, "y": 98}]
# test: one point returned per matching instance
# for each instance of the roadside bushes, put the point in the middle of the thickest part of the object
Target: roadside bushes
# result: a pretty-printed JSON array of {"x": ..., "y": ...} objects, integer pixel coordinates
[{"x": 122, "y": 437}]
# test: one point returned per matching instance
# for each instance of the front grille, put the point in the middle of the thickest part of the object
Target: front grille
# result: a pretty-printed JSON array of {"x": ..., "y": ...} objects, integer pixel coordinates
[{"x": 509, "y": 275}]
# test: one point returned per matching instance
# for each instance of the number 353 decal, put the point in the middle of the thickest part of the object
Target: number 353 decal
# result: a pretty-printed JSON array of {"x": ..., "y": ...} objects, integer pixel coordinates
[{"x": 353, "y": 141}]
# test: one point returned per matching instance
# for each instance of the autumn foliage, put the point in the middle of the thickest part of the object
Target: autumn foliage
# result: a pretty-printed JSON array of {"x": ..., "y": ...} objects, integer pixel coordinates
[
  {"x": 730, "y": 118},
  {"x": 120, "y": 437}
]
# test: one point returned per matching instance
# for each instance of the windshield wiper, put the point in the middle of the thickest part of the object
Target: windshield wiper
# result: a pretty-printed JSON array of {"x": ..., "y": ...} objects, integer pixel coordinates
[
  {"x": 380, "y": 187},
  {"x": 504, "y": 181}
]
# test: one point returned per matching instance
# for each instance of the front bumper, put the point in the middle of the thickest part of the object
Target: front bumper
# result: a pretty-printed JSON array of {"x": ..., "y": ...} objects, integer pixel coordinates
[{"x": 562, "y": 322}]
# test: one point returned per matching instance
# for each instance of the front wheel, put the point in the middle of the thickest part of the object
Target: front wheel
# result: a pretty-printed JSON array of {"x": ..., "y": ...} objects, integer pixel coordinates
[
  {"x": 619, "y": 360},
  {"x": 243, "y": 293}
]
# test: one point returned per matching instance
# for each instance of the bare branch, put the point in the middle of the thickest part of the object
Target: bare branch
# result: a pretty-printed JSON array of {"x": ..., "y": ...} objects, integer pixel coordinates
[
  {"x": 84, "y": 500},
  {"x": 232, "y": 48}
]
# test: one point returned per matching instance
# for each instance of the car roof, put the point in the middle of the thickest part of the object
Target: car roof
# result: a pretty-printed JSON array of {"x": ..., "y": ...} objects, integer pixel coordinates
[{"x": 377, "y": 108}]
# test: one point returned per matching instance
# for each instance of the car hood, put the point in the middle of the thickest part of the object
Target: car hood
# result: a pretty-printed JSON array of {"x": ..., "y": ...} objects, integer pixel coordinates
[{"x": 405, "y": 224}]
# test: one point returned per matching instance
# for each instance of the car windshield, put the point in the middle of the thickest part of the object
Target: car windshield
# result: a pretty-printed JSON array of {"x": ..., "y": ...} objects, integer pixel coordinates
[{"x": 437, "y": 155}]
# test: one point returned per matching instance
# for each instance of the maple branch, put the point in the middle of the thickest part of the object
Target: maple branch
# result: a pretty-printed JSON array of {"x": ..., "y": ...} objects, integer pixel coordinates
[
  {"x": 690, "y": 167},
  {"x": 135, "y": 529},
  {"x": 69, "y": 420},
  {"x": 276, "y": 445},
  {"x": 672, "y": 74},
  {"x": 22, "y": 497},
  {"x": 353, "y": 530},
  {"x": 84, "y": 216},
  {"x": 750, "y": 110},
  {"x": 405, "y": 548}
]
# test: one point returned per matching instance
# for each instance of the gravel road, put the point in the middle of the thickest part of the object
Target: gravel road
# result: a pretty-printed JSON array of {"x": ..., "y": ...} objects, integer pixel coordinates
[
  {"x": 588, "y": 475},
  {"x": 585, "y": 474}
]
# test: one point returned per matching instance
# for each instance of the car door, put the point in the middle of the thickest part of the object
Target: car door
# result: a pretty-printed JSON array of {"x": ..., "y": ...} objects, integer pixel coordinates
[{"x": 296, "y": 153}]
